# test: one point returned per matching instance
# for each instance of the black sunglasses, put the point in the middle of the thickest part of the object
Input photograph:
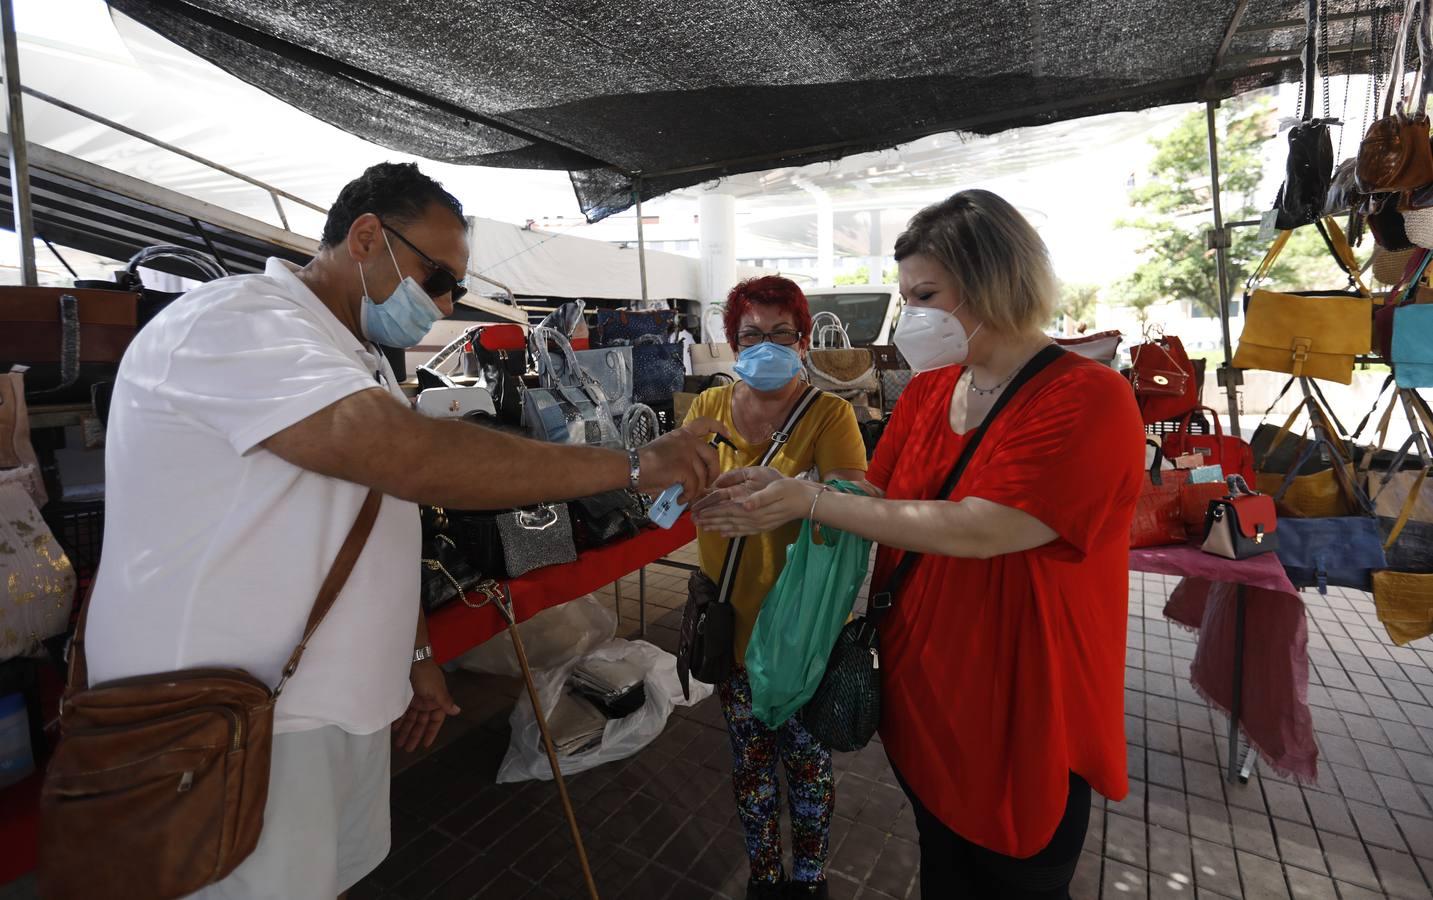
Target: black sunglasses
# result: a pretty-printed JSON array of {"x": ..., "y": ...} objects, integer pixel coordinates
[{"x": 439, "y": 281}]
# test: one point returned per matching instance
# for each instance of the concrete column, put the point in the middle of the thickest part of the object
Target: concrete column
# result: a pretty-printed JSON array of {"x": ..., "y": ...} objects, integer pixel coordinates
[
  {"x": 825, "y": 233},
  {"x": 717, "y": 234}
]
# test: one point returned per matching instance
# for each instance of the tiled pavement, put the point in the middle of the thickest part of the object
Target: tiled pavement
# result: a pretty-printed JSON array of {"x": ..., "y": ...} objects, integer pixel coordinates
[{"x": 663, "y": 823}]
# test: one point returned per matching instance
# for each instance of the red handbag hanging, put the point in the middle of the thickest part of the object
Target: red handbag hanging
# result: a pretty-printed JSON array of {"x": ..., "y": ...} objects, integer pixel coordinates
[
  {"x": 1231, "y": 453},
  {"x": 1158, "y": 514},
  {"x": 1163, "y": 379}
]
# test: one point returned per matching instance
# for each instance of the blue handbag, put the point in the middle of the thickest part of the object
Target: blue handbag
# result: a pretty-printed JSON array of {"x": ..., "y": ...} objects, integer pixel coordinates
[
  {"x": 657, "y": 370},
  {"x": 1337, "y": 550},
  {"x": 570, "y": 406},
  {"x": 1341, "y": 551},
  {"x": 616, "y": 327},
  {"x": 1412, "y": 350}
]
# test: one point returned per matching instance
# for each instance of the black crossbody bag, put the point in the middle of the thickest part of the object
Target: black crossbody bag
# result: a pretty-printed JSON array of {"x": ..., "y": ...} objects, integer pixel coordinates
[
  {"x": 704, "y": 648},
  {"x": 845, "y": 711}
]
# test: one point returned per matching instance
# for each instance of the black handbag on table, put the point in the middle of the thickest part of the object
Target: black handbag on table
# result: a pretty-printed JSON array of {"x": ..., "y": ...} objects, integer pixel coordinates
[
  {"x": 447, "y": 574},
  {"x": 705, "y": 645},
  {"x": 846, "y": 709},
  {"x": 603, "y": 518}
]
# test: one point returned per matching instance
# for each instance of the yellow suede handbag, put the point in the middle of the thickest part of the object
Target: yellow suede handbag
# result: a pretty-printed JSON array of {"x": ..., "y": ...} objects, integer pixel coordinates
[
  {"x": 1404, "y": 602},
  {"x": 1315, "y": 334}
]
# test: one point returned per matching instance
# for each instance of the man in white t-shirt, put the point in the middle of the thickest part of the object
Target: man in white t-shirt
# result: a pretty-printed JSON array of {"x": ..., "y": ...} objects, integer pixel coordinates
[{"x": 249, "y": 421}]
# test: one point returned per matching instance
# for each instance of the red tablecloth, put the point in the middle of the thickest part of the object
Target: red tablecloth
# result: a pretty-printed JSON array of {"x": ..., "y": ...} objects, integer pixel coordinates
[
  {"x": 457, "y": 628},
  {"x": 1275, "y": 692}
]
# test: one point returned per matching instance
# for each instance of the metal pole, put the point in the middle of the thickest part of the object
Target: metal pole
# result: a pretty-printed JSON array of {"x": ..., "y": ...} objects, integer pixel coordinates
[
  {"x": 641, "y": 238},
  {"x": 19, "y": 156},
  {"x": 1236, "y": 700},
  {"x": 1221, "y": 258}
]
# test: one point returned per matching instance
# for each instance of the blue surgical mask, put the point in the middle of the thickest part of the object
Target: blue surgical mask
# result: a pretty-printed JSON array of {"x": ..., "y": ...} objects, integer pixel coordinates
[
  {"x": 404, "y": 318},
  {"x": 768, "y": 366}
]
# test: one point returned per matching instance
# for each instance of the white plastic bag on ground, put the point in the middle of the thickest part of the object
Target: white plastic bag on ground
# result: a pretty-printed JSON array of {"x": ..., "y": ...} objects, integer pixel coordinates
[
  {"x": 551, "y": 638},
  {"x": 526, "y": 759}
]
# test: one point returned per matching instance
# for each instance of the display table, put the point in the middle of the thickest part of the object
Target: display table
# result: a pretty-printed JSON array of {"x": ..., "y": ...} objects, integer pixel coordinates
[
  {"x": 1264, "y": 693},
  {"x": 459, "y": 627}
]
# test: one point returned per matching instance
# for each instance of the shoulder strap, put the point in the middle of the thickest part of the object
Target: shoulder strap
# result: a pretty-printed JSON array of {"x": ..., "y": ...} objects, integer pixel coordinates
[
  {"x": 880, "y": 604},
  {"x": 337, "y": 577},
  {"x": 733, "y": 549},
  {"x": 332, "y": 584}
]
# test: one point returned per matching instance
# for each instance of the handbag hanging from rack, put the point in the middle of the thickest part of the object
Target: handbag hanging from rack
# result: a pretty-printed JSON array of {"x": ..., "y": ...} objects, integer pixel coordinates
[
  {"x": 1309, "y": 168},
  {"x": 1163, "y": 378},
  {"x": 1395, "y": 154},
  {"x": 1318, "y": 334}
]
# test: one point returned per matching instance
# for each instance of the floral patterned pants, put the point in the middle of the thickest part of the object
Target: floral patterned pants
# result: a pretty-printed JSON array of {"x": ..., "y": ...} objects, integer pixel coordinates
[{"x": 755, "y": 750}]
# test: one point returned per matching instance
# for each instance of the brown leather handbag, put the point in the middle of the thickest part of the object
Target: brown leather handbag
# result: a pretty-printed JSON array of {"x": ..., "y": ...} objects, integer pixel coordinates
[
  {"x": 69, "y": 338},
  {"x": 158, "y": 784},
  {"x": 1395, "y": 154}
]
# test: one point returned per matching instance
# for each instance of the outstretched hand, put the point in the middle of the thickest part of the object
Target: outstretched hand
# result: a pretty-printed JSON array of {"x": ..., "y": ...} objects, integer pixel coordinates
[{"x": 757, "y": 501}]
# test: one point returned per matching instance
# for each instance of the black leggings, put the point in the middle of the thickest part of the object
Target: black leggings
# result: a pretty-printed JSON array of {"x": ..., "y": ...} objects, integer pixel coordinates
[{"x": 952, "y": 867}]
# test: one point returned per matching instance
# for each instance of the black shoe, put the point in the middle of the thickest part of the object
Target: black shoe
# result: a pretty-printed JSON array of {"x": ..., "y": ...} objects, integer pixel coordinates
[
  {"x": 766, "y": 890},
  {"x": 807, "y": 890}
]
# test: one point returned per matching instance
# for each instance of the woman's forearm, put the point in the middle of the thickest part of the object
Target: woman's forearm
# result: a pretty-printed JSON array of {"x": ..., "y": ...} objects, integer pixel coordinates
[
  {"x": 925, "y": 526},
  {"x": 972, "y": 528}
]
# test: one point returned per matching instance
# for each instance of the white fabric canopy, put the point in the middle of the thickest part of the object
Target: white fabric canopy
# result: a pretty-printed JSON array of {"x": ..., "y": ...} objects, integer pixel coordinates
[{"x": 541, "y": 264}]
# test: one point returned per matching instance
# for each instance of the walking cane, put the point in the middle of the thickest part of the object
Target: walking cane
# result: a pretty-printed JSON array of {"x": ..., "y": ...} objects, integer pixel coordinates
[{"x": 501, "y": 597}]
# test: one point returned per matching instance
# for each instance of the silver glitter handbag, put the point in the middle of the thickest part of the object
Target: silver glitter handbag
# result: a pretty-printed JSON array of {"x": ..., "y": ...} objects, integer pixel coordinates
[{"x": 536, "y": 537}]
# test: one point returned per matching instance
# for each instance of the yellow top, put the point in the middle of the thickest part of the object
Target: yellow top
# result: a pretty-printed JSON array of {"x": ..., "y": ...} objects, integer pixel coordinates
[{"x": 827, "y": 439}]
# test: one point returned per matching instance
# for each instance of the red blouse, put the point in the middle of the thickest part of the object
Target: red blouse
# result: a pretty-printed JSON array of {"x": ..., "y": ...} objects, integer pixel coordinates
[{"x": 1002, "y": 676}]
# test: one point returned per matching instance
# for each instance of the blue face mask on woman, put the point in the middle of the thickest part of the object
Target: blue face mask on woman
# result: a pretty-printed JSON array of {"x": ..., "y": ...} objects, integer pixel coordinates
[
  {"x": 404, "y": 318},
  {"x": 768, "y": 366}
]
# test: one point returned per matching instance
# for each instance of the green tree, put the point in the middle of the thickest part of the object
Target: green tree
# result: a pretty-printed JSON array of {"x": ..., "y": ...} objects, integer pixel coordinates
[
  {"x": 1078, "y": 301},
  {"x": 862, "y": 275},
  {"x": 1174, "y": 213}
]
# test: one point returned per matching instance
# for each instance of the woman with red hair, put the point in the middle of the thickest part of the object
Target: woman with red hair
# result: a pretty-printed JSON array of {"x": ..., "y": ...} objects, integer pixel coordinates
[{"x": 768, "y": 323}]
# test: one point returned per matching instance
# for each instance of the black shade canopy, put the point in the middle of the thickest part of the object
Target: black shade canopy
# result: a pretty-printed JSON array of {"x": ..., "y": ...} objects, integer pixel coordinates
[{"x": 670, "y": 94}]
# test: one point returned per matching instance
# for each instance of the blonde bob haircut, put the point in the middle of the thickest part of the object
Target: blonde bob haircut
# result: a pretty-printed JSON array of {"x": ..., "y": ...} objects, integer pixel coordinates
[{"x": 997, "y": 260}]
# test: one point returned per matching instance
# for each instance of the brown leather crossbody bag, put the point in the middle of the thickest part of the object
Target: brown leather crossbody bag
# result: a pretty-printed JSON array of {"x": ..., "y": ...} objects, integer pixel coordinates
[{"x": 158, "y": 784}]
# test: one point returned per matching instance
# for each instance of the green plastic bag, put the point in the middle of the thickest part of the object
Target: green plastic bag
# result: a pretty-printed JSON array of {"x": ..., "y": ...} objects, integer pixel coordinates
[{"x": 799, "y": 620}]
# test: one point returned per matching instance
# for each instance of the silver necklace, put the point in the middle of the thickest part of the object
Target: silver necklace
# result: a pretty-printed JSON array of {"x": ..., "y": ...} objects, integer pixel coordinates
[{"x": 986, "y": 392}]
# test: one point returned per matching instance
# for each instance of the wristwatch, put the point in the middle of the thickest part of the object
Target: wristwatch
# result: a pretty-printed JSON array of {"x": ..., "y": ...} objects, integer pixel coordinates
[
  {"x": 634, "y": 471},
  {"x": 422, "y": 653}
]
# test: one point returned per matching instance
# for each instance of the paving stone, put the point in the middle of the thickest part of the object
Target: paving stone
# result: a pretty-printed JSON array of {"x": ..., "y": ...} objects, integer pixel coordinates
[
  {"x": 1399, "y": 874},
  {"x": 1086, "y": 883},
  {"x": 1330, "y": 813},
  {"x": 1401, "y": 794},
  {"x": 1215, "y": 868},
  {"x": 1125, "y": 840},
  {"x": 1253, "y": 833},
  {"x": 1286, "y": 802},
  {"x": 1261, "y": 877},
  {"x": 1348, "y": 861},
  {"x": 1125, "y": 881},
  {"x": 1299, "y": 846},
  {"x": 1306, "y": 885},
  {"x": 1376, "y": 825}
]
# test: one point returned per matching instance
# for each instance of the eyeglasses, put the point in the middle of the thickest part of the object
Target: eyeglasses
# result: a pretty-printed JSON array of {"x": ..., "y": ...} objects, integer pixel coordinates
[
  {"x": 439, "y": 281},
  {"x": 786, "y": 337}
]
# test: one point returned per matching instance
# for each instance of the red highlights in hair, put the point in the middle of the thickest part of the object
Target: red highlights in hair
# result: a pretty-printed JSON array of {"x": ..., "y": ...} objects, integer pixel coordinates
[{"x": 771, "y": 291}]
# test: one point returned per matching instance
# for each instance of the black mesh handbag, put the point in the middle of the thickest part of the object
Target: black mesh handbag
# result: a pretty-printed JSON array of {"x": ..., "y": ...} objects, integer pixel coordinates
[{"x": 846, "y": 708}]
